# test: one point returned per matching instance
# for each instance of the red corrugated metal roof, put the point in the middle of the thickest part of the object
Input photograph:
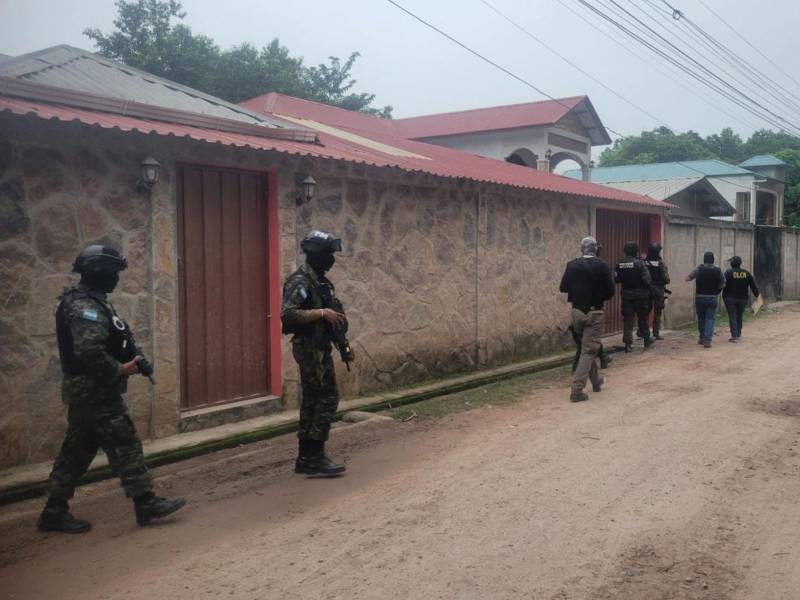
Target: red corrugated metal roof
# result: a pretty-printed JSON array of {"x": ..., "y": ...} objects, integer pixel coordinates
[
  {"x": 278, "y": 104},
  {"x": 431, "y": 159},
  {"x": 493, "y": 118}
]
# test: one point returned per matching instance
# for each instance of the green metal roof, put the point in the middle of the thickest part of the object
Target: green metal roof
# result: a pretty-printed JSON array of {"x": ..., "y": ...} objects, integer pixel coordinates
[
  {"x": 762, "y": 160},
  {"x": 661, "y": 171}
]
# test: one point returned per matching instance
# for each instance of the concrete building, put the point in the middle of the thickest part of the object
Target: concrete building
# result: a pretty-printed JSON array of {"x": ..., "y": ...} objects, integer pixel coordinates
[
  {"x": 749, "y": 193},
  {"x": 533, "y": 134},
  {"x": 450, "y": 261}
]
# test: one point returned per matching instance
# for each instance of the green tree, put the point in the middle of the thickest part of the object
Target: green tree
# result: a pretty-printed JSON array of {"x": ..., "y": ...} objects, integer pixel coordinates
[
  {"x": 791, "y": 197},
  {"x": 726, "y": 146},
  {"x": 658, "y": 145},
  {"x": 150, "y": 36}
]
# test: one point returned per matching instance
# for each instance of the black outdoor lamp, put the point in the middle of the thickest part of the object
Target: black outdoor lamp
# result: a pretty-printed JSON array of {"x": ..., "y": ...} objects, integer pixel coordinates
[
  {"x": 548, "y": 154},
  {"x": 149, "y": 172},
  {"x": 309, "y": 189}
]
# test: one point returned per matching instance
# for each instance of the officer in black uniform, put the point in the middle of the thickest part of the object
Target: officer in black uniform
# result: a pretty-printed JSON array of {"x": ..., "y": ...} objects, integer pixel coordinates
[
  {"x": 97, "y": 358},
  {"x": 632, "y": 274},
  {"x": 308, "y": 316},
  {"x": 660, "y": 276}
]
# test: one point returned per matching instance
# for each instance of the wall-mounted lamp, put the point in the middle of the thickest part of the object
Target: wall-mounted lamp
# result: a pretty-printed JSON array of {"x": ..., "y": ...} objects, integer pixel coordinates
[
  {"x": 309, "y": 189},
  {"x": 548, "y": 155},
  {"x": 149, "y": 172}
]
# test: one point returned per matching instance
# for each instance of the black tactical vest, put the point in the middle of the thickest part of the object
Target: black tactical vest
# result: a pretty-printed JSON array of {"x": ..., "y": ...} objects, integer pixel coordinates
[
  {"x": 707, "y": 280},
  {"x": 630, "y": 275},
  {"x": 116, "y": 343},
  {"x": 656, "y": 272}
]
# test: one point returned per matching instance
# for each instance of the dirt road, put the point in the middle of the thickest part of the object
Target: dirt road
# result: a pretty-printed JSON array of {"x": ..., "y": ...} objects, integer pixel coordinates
[{"x": 680, "y": 480}]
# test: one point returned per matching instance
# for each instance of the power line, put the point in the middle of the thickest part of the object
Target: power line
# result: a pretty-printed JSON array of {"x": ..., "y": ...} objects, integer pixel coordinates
[
  {"x": 699, "y": 77},
  {"x": 572, "y": 64},
  {"x": 701, "y": 66},
  {"x": 752, "y": 73},
  {"x": 657, "y": 67},
  {"x": 746, "y": 41},
  {"x": 774, "y": 94},
  {"x": 488, "y": 60}
]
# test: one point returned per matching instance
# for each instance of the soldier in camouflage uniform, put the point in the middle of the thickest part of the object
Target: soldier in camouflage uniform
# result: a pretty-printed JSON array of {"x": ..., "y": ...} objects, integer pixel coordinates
[
  {"x": 304, "y": 315},
  {"x": 97, "y": 363}
]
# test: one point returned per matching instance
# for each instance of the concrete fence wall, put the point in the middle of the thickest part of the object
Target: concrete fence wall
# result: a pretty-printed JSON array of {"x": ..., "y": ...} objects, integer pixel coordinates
[
  {"x": 686, "y": 239},
  {"x": 685, "y": 242}
]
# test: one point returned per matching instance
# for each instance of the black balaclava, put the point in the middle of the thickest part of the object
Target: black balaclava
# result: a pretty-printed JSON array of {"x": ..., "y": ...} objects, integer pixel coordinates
[
  {"x": 321, "y": 262},
  {"x": 736, "y": 262},
  {"x": 654, "y": 251},
  {"x": 631, "y": 249},
  {"x": 100, "y": 281},
  {"x": 708, "y": 258}
]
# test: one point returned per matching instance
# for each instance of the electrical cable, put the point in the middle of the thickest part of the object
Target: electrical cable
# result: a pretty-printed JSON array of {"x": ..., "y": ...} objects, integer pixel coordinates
[
  {"x": 488, "y": 60},
  {"x": 681, "y": 66},
  {"x": 572, "y": 64},
  {"x": 746, "y": 41},
  {"x": 657, "y": 67},
  {"x": 705, "y": 69},
  {"x": 696, "y": 34}
]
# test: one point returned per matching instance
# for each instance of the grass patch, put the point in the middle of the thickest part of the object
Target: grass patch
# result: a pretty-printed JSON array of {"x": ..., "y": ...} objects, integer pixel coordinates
[{"x": 499, "y": 393}]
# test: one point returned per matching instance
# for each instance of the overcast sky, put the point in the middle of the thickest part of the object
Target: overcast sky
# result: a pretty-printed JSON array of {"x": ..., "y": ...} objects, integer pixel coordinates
[{"x": 419, "y": 72}]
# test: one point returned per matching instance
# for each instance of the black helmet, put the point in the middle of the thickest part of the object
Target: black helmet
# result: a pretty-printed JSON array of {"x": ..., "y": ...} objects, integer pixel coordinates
[
  {"x": 631, "y": 249},
  {"x": 655, "y": 247},
  {"x": 99, "y": 258},
  {"x": 320, "y": 241}
]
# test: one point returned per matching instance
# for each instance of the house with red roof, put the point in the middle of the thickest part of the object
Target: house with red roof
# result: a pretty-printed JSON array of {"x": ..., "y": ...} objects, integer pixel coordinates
[{"x": 450, "y": 263}]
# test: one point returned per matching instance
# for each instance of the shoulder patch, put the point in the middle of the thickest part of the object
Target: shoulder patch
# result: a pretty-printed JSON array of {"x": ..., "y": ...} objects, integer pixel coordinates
[
  {"x": 89, "y": 315},
  {"x": 302, "y": 291}
]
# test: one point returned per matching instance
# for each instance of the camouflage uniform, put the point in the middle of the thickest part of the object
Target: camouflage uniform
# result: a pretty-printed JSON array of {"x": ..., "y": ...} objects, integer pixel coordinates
[
  {"x": 97, "y": 415},
  {"x": 311, "y": 347}
]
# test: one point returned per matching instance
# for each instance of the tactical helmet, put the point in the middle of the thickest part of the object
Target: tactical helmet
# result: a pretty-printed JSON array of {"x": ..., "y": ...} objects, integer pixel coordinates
[
  {"x": 99, "y": 258},
  {"x": 321, "y": 241},
  {"x": 631, "y": 249},
  {"x": 655, "y": 247}
]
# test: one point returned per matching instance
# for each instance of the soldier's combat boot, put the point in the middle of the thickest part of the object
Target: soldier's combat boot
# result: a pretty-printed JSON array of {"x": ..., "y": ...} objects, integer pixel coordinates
[
  {"x": 304, "y": 453},
  {"x": 649, "y": 341},
  {"x": 318, "y": 463},
  {"x": 598, "y": 385},
  {"x": 605, "y": 360},
  {"x": 149, "y": 506},
  {"x": 578, "y": 397},
  {"x": 628, "y": 348},
  {"x": 56, "y": 517}
]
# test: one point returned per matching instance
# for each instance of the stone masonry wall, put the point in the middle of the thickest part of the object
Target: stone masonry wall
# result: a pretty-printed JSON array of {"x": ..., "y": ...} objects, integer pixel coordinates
[{"x": 438, "y": 276}]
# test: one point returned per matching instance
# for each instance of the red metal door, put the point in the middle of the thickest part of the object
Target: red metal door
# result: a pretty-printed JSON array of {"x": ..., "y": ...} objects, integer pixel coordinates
[
  {"x": 613, "y": 229},
  {"x": 222, "y": 237}
]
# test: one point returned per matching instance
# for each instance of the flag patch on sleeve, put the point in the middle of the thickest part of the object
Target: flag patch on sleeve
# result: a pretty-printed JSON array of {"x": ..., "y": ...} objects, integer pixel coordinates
[{"x": 89, "y": 314}]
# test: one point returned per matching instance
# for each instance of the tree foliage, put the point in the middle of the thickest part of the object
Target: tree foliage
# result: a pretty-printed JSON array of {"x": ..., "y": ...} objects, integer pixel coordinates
[
  {"x": 149, "y": 35},
  {"x": 664, "y": 145}
]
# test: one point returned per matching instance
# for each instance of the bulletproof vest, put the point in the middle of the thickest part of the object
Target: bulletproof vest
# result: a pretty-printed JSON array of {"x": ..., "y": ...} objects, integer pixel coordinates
[
  {"x": 656, "y": 272},
  {"x": 630, "y": 276},
  {"x": 116, "y": 344},
  {"x": 737, "y": 285},
  {"x": 707, "y": 280}
]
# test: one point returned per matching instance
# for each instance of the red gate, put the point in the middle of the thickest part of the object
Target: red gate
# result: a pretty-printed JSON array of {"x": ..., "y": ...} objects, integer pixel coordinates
[{"x": 613, "y": 229}]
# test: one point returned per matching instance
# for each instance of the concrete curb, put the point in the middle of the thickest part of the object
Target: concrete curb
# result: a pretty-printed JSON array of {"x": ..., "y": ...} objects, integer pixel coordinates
[{"x": 26, "y": 482}]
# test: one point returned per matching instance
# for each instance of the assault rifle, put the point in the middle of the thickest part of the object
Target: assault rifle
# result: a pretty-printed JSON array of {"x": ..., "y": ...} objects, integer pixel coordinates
[
  {"x": 338, "y": 334},
  {"x": 130, "y": 351}
]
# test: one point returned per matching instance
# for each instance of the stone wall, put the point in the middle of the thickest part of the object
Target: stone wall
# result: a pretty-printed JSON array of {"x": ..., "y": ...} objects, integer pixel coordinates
[
  {"x": 438, "y": 276},
  {"x": 685, "y": 242}
]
